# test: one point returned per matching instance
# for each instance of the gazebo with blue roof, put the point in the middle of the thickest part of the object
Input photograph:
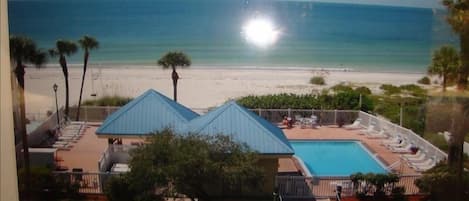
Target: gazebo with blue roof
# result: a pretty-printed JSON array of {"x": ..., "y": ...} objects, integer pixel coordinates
[
  {"x": 148, "y": 113},
  {"x": 243, "y": 126},
  {"x": 246, "y": 127},
  {"x": 152, "y": 112}
]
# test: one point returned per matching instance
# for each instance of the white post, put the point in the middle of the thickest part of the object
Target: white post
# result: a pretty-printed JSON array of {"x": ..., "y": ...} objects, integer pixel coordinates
[
  {"x": 400, "y": 116},
  {"x": 8, "y": 181},
  {"x": 360, "y": 103}
]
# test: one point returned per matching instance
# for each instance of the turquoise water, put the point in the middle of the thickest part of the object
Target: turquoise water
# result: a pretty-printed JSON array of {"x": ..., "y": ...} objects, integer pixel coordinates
[
  {"x": 336, "y": 158},
  {"x": 359, "y": 37}
]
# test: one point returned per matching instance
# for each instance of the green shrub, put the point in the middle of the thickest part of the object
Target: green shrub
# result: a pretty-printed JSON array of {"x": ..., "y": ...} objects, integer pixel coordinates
[
  {"x": 424, "y": 80},
  {"x": 342, "y": 100},
  {"x": 365, "y": 185},
  {"x": 341, "y": 88},
  {"x": 108, "y": 101},
  {"x": 390, "y": 89},
  {"x": 363, "y": 90},
  {"x": 317, "y": 80},
  {"x": 413, "y": 90},
  {"x": 441, "y": 183},
  {"x": 437, "y": 140}
]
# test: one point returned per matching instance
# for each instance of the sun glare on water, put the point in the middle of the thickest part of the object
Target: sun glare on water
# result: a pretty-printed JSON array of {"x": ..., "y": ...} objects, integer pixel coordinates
[{"x": 260, "y": 32}]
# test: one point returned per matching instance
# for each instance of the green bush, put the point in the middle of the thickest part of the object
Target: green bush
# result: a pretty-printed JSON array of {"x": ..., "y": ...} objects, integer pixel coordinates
[
  {"x": 441, "y": 183},
  {"x": 437, "y": 140},
  {"x": 108, "y": 101},
  {"x": 365, "y": 185},
  {"x": 363, "y": 90},
  {"x": 341, "y": 88},
  {"x": 390, "y": 89},
  {"x": 424, "y": 80},
  {"x": 317, "y": 80},
  {"x": 413, "y": 90},
  {"x": 341, "y": 100}
]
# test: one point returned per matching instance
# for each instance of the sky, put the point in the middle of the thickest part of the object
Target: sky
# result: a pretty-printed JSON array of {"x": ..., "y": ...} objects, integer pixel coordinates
[{"x": 407, "y": 3}]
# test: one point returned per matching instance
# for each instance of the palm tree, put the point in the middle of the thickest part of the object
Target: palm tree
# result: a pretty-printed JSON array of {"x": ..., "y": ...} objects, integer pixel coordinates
[
  {"x": 173, "y": 59},
  {"x": 87, "y": 43},
  {"x": 445, "y": 63},
  {"x": 459, "y": 20},
  {"x": 23, "y": 50},
  {"x": 64, "y": 48}
]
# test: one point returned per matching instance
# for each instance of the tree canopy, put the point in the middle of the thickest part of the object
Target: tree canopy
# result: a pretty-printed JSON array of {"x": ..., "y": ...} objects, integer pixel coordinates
[
  {"x": 197, "y": 166},
  {"x": 173, "y": 59},
  {"x": 445, "y": 63}
]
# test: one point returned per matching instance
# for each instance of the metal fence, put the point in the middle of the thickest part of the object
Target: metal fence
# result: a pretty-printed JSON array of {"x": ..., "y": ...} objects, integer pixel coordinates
[
  {"x": 325, "y": 117},
  {"x": 325, "y": 187},
  {"x": 93, "y": 113},
  {"x": 94, "y": 183},
  {"x": 406, "y": 134}
]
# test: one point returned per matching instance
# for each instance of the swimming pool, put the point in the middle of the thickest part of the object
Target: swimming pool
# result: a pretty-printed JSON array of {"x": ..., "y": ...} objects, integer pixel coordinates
[{"x": 336, "y": 158}]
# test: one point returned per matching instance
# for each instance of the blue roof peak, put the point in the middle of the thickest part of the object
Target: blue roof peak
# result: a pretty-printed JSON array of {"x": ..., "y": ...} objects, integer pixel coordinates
[
  {"x": 151, "y": 111},
  {"x": 244, "y": 126}
]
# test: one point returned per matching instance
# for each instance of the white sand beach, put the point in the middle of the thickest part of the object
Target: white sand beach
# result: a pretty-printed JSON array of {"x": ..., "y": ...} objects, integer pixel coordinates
[{"x": 198, "y": 87}]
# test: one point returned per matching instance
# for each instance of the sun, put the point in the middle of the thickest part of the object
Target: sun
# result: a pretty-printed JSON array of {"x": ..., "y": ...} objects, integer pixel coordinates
[{"x": 260, "y": 32}]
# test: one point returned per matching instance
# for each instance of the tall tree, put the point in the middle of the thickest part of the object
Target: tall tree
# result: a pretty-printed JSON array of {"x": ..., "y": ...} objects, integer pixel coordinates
[
  {"x": 445, "y": 63},
  {"x": 87, "y": 43},
  {"x": 458, "y": 18},
  {"x": 174, "y": 59},
  {"x": 64, "y": 48},
  {"x": 23, "y": 50}
]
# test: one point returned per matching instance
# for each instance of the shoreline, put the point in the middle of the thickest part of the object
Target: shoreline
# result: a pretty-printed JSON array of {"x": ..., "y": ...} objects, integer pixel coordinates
[
  {"x": 233, "y": 67},
  {"x": 197, "y": 88}
]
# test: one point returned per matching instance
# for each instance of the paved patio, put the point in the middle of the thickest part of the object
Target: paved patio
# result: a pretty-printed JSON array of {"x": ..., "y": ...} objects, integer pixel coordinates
[{"x": 86, "y": 152}]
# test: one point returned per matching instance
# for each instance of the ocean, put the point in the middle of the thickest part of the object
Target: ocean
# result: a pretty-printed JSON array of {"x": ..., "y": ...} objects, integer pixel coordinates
[{"x": 311, "y": 34}]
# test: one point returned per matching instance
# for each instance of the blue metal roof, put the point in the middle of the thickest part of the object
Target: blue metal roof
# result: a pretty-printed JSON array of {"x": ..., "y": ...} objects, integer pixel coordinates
[
  {"x": 147, "y": 113},
  {"x": 243, "y": 126}
]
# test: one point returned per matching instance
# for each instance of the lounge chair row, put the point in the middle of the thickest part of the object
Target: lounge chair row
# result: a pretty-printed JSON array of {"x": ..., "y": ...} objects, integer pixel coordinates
[
  {"x": 397, "y": 144},
  {"x": 68, "y": 135}
]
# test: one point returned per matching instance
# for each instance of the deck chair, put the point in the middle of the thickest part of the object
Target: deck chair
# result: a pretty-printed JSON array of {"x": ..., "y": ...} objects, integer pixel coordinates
[{"x": 354, "y": 125}]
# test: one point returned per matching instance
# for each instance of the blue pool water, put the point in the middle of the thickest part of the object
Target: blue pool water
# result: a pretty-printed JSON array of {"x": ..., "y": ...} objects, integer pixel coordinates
[{"x": 336, "y": 158}]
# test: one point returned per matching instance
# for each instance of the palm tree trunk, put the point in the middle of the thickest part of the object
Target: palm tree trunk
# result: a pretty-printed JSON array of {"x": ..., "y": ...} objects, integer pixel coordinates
[
  {"x": 19, "y": 71},
  {"x": 464, "y": 72},
  {"x": 85, "y": 64},
  {"x": 175, "y": 78},
  {"x": 63, "y": 63}
]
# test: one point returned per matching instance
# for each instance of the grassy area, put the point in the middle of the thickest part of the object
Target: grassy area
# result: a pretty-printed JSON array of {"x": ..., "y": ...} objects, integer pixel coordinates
[{"x": 437, "y": 140}]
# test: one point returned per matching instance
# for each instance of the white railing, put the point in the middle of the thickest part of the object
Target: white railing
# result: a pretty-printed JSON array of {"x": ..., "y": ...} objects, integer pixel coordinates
[
  {"x": 396, "y": 130},
  {"x": 114, "y": 153}
]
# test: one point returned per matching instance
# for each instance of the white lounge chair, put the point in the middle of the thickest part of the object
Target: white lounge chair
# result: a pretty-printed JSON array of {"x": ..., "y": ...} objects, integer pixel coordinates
[
  {"x": 367, "y": 131},
  {"x": 380, "y": 135},
  {"x": 405, "y": 149},
  {"x": 423, "y": 166},
  {"x": 427, "y": 162},
  {"x": 400, "y": 143},
  {"x": 393, "y": 140},
  {"x": 418, "y": 155},
  {"x": 354, "y": 125}
]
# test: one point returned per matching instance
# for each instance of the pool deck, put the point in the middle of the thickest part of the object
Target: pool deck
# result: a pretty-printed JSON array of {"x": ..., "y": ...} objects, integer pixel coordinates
[
  {"x": 334, "y": 133},
  {"x": 86, "y": 152}
]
